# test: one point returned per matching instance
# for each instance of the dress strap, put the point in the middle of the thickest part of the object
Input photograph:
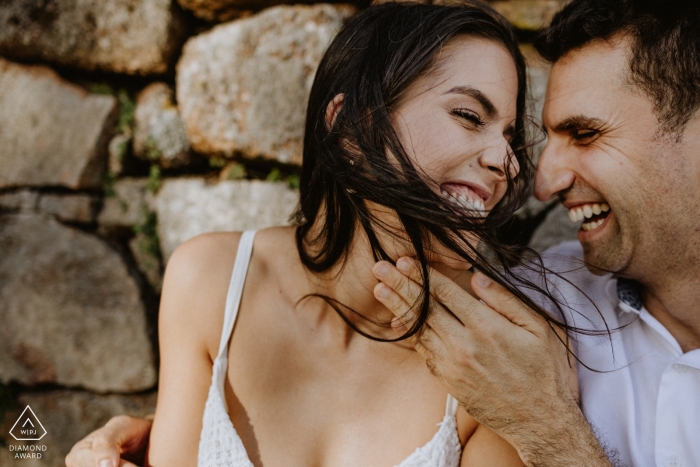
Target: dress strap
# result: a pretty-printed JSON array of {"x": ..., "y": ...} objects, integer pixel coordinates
[
  {"x": 235, "y": 290},
  {"x": 451, "y": 406}
]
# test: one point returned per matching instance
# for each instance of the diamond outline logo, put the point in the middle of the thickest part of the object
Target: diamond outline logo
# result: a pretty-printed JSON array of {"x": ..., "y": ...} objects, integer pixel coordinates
[{"x": 28, "y": 419}]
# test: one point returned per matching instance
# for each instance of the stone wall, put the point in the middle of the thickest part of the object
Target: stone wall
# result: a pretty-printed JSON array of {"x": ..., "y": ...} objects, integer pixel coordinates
[{"x": 127, "y": 127}]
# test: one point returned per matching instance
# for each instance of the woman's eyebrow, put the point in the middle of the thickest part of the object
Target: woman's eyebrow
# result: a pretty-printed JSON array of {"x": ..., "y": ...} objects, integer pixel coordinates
[{"x": 490, "y": 109}]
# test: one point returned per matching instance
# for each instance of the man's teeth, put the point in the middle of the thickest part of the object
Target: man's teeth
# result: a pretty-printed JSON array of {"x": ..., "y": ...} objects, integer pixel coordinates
[
  {"x": 587, "y": 211},
  {"x": 592, "y": 225},
  {"x": 467, "y": 203}
]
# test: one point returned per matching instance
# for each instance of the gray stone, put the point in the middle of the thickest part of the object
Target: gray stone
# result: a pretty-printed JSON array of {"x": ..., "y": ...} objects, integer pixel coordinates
[
  {"x": 145, "y": 250},
  {"x": 127, "y": 205},
  {"x": 555, "y": 229},
  {"x": 537, "y": 76},
  {"x": 23, "y": 200},
  {"x": 529, "y": 14},
  {"x": 224, "y": 10},
  {"x": 67, "y": 416},
  {"x": 523, "y": 14},
  {"x": 70, "y": 208},
  {"x": 71, "y": 314},
  {"x": 53, "y": 132},
  {"x": 159, "y": 134},
  {"x": 243, "y": 86},
  {"x": 187, "y": 207},
  {"x": 122, "y": 36},
  {"x": 118, "y": 150}
]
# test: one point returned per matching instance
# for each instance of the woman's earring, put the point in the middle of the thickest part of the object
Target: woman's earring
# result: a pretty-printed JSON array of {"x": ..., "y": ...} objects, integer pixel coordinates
[{"x": 352, "y": 162}]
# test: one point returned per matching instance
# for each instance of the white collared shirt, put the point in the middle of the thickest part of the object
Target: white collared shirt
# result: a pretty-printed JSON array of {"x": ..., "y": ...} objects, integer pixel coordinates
[{"x": 644, "y": 399}]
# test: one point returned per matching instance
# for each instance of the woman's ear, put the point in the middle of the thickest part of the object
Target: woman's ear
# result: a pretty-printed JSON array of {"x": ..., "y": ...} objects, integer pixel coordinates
[{"x": 333, "y": 109}]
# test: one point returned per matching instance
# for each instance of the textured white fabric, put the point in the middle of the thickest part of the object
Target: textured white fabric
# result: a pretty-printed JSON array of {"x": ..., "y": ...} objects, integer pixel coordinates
[
  {"x": 220, "y": 445},
  {"x": 644, "y": 399}
]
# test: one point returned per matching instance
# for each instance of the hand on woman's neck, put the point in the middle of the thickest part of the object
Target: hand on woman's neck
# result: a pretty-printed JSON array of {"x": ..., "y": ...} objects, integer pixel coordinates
[{"x": 351, "y": 282}]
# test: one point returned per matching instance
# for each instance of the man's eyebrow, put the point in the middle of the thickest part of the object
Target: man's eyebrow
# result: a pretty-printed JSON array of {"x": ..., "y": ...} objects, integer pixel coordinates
[
  {"x": 576, "y": 122},
  {"x": 485, "y": 102}
]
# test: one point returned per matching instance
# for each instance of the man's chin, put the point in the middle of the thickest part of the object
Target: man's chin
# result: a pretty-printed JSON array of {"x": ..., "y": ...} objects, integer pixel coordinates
[{"x": 600, "y": 261}]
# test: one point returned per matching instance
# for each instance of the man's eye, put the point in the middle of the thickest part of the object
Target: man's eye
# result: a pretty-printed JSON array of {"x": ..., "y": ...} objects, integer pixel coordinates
[
  {"x": 468, "y": 116},
  {"x": 585, "y": 136}
]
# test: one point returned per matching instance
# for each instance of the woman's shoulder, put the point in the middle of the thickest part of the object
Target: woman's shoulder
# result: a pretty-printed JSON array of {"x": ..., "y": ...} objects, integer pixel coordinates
[
  {"x": 198, "y": 275},
  {"x": 195, "y": 285}
]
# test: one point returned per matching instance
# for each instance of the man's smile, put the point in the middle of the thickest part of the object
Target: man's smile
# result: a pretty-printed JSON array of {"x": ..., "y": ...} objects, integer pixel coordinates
[{"x": 593, "y": 214}]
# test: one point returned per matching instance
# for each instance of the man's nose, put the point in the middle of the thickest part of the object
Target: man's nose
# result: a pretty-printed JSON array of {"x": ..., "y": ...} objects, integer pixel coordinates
[
  {"x": 499, "y": 159},
  {"x": 552, "y": 176}
]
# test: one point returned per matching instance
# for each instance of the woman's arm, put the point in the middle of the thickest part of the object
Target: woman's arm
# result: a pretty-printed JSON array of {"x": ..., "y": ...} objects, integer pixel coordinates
[
  {"x": 189, "y": 328},
  {"x": 486, "y": 449}
]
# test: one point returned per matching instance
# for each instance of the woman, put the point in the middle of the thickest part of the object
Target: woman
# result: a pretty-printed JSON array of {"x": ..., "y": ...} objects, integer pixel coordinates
[{"x": 414, "y": 146}]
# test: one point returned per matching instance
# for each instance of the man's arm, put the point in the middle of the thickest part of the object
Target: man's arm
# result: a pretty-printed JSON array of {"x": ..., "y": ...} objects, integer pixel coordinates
[
  {"x": 502, "y": 361},
  {"x": 122, "y": 438}
]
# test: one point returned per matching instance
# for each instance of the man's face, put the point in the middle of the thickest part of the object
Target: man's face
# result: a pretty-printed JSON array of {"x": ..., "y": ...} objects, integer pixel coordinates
[{"x": 605, "y": 151}]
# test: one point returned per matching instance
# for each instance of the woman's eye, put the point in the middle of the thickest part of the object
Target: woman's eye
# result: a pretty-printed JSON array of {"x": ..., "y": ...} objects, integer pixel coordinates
[
  {"x": 468, "y": 116},
  {"x": 585, "y": 136}
]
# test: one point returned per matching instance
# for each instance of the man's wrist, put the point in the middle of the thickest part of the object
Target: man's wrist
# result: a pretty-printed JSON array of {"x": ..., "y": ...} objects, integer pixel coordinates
[{"x": 567, "y": 439}]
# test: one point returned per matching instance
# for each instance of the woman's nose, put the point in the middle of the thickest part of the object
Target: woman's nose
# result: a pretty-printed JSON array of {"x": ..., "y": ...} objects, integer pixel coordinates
[{"x": 499, "y": 159}]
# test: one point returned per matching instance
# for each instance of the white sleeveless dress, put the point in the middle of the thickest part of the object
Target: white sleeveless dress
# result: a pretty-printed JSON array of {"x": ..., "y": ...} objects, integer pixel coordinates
[{"x": 220, "y": 445}]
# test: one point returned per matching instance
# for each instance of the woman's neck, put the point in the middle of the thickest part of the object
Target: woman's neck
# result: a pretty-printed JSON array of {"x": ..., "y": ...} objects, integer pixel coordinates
[{"x": 351, "y": 283}]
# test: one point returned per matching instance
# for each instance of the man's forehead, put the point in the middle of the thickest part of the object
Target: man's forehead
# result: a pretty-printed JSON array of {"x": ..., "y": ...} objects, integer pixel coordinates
[
  {"x": 587, "y": 80},
  {"x": 601, "y": 60}
]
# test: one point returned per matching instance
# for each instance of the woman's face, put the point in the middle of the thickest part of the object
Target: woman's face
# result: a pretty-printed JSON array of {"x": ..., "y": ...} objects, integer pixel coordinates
[{"x": 456, "y": 122}]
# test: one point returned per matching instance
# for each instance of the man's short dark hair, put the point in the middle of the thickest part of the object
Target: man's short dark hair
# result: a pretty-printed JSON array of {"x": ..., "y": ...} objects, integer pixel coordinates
[{"x": 665, "y": 54}]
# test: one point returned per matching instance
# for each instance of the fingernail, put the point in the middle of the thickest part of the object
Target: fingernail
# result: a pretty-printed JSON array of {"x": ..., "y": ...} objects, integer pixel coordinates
[
  {"x": 106, "y": 463},
  {"x": 380, "y": 270},
  {"x": 404, "y": 264},
  {"x": 482, "y": 280},
  {"x": 381, "y": 291}
]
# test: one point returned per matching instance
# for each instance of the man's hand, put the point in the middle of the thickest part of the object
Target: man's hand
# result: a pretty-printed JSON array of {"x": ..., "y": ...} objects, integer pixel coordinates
[
  {"x": 122, "y": 438},
  {"x": 501, "y": 360}
]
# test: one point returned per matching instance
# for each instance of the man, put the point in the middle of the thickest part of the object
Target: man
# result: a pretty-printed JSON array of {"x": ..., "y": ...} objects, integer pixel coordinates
[{"x": 623, "y": 156}]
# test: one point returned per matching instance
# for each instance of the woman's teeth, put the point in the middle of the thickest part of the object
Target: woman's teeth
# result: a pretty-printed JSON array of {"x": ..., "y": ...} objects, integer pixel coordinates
[
  {"x": 470, "y": 204},
  {"x": 587, "y": 211}
]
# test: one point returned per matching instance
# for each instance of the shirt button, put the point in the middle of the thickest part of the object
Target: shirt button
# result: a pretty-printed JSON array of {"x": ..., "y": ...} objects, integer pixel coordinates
[
  {"x": 674, "y": 461},
  {"x": 680, "y": 368}
]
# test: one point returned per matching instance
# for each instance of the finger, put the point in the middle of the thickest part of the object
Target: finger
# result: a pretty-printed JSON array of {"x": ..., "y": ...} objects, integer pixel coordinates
[
  {"x": 450, "y": 301},
  {"x": 405, "y": 315},
  {"x": 104, "y": 449},
  {"x": 81, "y": 455},
  {"x": 455, "y": 298},
  {"x": 505, "y": 303},
  {"x": 432, "y": 350},
  {"x": 409, "y": 290},
  {"x": 431, "y": 342}
]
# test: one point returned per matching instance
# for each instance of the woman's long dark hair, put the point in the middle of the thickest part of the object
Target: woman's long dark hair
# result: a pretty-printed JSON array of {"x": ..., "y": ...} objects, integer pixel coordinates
[{"x": 372, "y": 61}]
